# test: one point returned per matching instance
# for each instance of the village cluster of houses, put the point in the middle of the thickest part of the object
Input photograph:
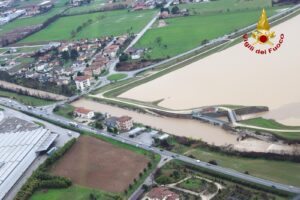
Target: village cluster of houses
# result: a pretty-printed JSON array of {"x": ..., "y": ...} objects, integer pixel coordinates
[
  {"x": 35, "y": 9},
  {"x": 99, "y": 63},
  {"x": 123, "y": 123},
  {"x": 78, "y": 2},
  {"x": 146, "y": 4},
  {"x": 49, "y": 64},
  {"x": 6, "y": 4},
  {"x": 10, "y": 15}
]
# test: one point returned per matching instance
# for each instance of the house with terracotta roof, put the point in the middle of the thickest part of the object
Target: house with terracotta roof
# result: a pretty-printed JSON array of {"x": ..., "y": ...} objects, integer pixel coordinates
[
  {"x": 111, "y": 50},
  {"x": 82, "y": 82},
  {"x": 161, "y": 193},
  {"x": 124, "y": 123},
  {"x": 84, "y": 113}
]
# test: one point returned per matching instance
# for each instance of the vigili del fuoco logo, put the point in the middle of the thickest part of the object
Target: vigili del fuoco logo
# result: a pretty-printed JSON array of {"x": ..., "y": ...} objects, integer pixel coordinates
[{"x": 263, "y": 40}]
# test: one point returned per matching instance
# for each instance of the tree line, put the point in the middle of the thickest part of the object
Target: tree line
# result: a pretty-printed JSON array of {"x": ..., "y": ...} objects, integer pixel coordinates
[{"x": 41, "y": 179}]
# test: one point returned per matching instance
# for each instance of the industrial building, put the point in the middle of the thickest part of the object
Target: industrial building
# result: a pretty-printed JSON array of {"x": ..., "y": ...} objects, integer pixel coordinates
[{"x": 21, "y": 143}]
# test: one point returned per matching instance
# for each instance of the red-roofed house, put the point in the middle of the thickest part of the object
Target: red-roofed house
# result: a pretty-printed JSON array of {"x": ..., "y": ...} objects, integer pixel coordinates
[
  {"x": 161, "y": 193},
  {"x": 124, "y": 123},
  {"x": 111, "y": 50},
  {"x": 84, "y": 113},
  {"x": 82, "y": 82}
]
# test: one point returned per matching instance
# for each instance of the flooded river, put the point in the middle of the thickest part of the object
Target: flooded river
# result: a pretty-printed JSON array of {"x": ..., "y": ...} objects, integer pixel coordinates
[
  {"x": 236, "y": 76},
  {"x": 184, "y": 127}
]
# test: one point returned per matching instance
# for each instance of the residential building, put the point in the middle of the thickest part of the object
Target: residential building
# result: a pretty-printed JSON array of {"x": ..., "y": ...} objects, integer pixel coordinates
[
  {"x": 84, "y": 113},
  {"x": 82, "y": 82},
  {"x": 111, "y": 50},
  {"x": 111, "y": 122},
  {"x": 124, "y": 123},
  {"x": 161, "y": 193}
]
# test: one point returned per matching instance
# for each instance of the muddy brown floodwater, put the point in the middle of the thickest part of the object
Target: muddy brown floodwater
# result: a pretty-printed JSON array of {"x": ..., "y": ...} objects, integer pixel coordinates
[
  {"x": 185, "y": 127},
  {"x": 236, "y": 76}
]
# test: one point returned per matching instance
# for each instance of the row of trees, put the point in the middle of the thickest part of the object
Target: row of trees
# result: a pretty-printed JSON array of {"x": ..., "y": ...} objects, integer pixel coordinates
[
  {"x": 81, "y": 27},
  {"x": 41, "y": 179},
  {"x": 67, "y": 90},
  {"x": 73, "y": 55},
  {"x": 270, "y": 156}
]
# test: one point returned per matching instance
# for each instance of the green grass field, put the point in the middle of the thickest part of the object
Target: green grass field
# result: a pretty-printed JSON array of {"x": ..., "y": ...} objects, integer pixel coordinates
[
  {"x": 116, "y": 77},
  {"x": 267, "y": 169},
  {"x": 73, "y": 193},
  {"x": 39, "y": 19},
  {"x": 27, "y": 100},
  {"x": 222, "y": 6},
  {"x": 270, "y": 123},
  {"x": 65, "y": 110},
  {"x": 185, "y": 33},
  {"x": 103, "y": 24}
]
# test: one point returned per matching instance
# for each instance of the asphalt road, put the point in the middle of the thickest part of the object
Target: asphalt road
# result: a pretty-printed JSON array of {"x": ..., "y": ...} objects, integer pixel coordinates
[{"x": 48, "y": 114}]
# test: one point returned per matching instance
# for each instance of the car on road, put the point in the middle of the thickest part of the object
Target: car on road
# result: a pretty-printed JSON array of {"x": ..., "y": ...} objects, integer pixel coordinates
[{"x": 197, "y": 161}]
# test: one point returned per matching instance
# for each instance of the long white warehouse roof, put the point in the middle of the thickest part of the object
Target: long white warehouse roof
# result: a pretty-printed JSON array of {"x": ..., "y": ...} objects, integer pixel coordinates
[{"x": 17, "y": 152}]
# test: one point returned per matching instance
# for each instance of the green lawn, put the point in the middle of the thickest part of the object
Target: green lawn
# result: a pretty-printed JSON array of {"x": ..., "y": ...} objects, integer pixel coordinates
[
  {"x": 39, "y": 19},
  {"x": 73, "y": 193},
  {"x": 116, "y": 77},
  {"x": 103, "y": 24},
  {"x": 65, "y": 110},
  {"x": 27, "y": 100},
  {"x": 185, "y": 33},
  {"x": 197, "y": 185}
]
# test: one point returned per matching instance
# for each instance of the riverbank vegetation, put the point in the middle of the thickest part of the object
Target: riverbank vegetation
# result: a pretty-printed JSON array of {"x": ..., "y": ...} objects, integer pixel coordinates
[{"x": 272, "y": 124}]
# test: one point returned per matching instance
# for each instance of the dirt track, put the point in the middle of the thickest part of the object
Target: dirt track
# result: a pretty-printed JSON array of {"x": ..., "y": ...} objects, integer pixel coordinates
[{"x": 96, "y": 164}]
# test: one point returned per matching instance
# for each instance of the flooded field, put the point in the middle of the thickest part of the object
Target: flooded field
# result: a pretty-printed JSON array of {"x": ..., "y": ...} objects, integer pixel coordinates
[
  {"x": 236, "y": 76},
  {"x": 185, "y": 127}
]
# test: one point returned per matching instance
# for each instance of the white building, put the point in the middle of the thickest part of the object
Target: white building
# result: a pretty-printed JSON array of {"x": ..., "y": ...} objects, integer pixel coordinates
[
  {"x": 84, "y": 113},
  {"x": 18, "y": 150},
  {"x": 82, "y": 82}
]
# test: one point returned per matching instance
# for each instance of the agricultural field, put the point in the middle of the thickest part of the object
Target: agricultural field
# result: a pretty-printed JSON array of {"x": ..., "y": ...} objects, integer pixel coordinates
[
  {"x": 192, "y": 30},
  {"x": 39, "y": 19},
  {"x": 96, "y": 25},
  {"x": 96, "y": 164}
]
